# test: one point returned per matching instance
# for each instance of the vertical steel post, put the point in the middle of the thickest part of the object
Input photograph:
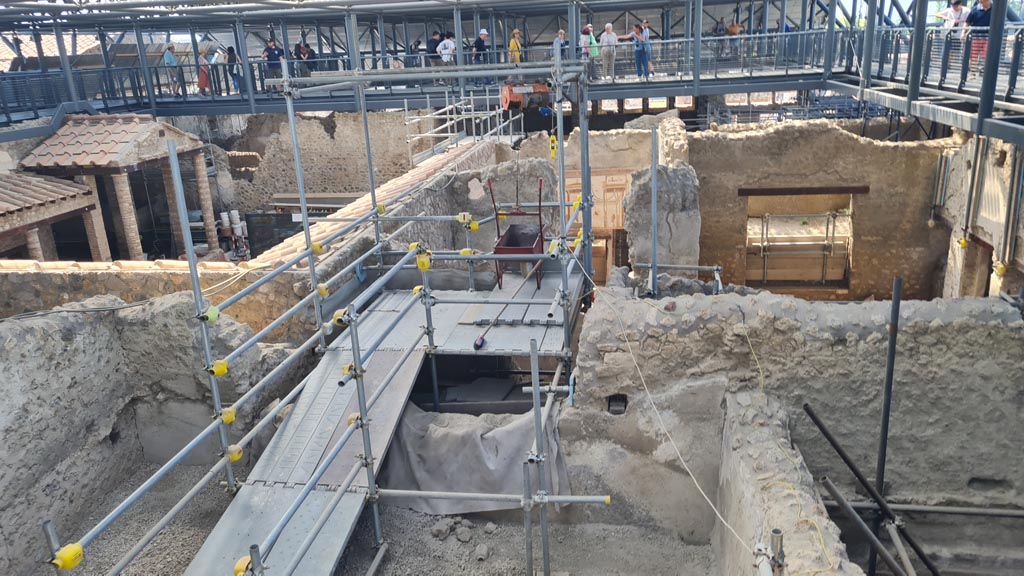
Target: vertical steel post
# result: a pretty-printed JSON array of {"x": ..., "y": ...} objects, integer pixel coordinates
[
  {"x": 243, "y": 59},
  {"x": 355, "y": 60},
  {"x": 698, "y": 21},
  {"x": 364, "y": 425},
  {"x": 830, "y": 40},
  {"x": 562, "y": 247},
  {"x": 666, "y": 23},
  {"x": 986, "y": 98},
  {"x": 65, "y": 64},
  {"x": 428, "y": 303},
  {"x": 653, "y": 279},
  {"x": 300, "y": 184},
  {"x": 573, "y": 33},
  {"x": 382, "y": 37},
  {"x": 459, "y": 60},
  {"x": 108, "y": 83},
  {"x": 868, "y": 47},
  {"x": 917, "y": 46},
  {"x": 528, "y": 518},
  {"x": 197, "y": 295},
  {"x": 147, "y": 78},
  {"x": 37, "y": 39},
  {"x": 538, "y": 426},
  {"x": 361, "y": 102},
  {"x": 883, "y": 438},
  {"x": 195, "y": 56},
  {"x": 585, "y": 179}
]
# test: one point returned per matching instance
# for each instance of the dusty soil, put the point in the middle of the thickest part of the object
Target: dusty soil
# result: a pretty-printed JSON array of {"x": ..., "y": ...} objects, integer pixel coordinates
[
  {"x": 577, "y": 549},
  {"x": 170, "y": 553}
]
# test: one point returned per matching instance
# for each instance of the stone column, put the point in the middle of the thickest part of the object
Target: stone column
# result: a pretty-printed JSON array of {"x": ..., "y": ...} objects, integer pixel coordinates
[
  {"x": 95, "y": 231},
  {"x": 126, "y": 207},
  {"x": 172, "y": 208},
  {"x": 205, "y": 200},
  {"x": 35, "y": 247},
  {"x": 47, "y": 243}
]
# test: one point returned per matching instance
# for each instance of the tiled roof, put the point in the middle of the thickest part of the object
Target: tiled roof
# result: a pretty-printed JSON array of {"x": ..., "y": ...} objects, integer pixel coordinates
[
  {"x": 20, "y": 191},
  {"x": 108, "y": 141}
]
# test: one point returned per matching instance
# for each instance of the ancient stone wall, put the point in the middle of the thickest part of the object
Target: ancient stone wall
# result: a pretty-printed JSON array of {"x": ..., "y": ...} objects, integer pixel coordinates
[
  {"x": 333, "y": 155},
  {"x": 81, "y": 394},
  {"x": 890, "y": 232},
  {"x": 764, "y": 484},
  {"x": 952, "y": 399}
]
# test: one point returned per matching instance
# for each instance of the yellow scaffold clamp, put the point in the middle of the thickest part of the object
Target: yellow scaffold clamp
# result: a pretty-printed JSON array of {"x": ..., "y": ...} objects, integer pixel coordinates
[
  {"x": 242, "y": 566},
  {"x": 962, "y": 242},
  {"x": 68, "y": 557},
  {"x": 352, "y": 418},
  {"x": 323, "y": 290},
  {"x": 577, "y": 201},
  {"x": 347, "y": 369},
  {"x": 234, "y": 453},
  {"x": 340, "y": 317},
  {"x": 423, "y": 260},
  {"x": 502, "y": 216},
  {"x": 417, "y": 289},
  {"x": 553, "y": 247},
  {"x": 466, "y": 252},
  {"x": 463, "y": 217},
  {"x": 219, "y": 368},
  {"x": 474, "y": 226},
  {"x": 1000, "y": 269},
  {"x": 554, "y": 145},
  {"x": 210, "y": 315},
  {"x": 317, "y": 248},
  {"x": 414, "y": 246},
  {"x": 381, "y": 209},
  {"x": 228, "y": 415}
]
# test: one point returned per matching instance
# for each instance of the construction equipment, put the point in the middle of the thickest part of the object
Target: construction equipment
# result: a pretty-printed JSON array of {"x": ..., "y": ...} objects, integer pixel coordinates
[
  {"x": 519, "y": 238},
  {"x": 524, "y": 96}
]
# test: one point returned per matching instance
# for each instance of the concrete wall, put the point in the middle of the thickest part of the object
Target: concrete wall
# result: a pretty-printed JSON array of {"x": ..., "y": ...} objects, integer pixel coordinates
[
  {"x": 890, "y": 235},
  {"x": 89, "y": 394},
  {"x": 953, "y": 403},
  {"x": 764, "y": 484}
]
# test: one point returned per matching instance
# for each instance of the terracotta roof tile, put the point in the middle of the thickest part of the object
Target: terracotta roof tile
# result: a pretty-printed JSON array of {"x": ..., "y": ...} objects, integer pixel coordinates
[
  {"x": 22, "y": 191},
  {"x": 109, "y": 141}
]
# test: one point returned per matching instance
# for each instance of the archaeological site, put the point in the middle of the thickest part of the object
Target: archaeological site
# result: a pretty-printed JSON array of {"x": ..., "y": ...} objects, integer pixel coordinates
[{"x": 321, "y": 289}]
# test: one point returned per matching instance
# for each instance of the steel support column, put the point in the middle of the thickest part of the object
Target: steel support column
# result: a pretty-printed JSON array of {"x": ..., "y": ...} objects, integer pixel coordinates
[
  {"x": 147, "y": 78},
  {"x": 830, "y": 39},
  {"x": 355, "y": 59},
  {"x": 666, "y": 23},
  {"x": 108, "y": 83},
  {"x": 585, "y": 178},
  {"x": 698, "y": 31},
  {"x": 65, "y": 64},
  {"x": 459, "y": 61},
  {"x": 243, "y": 59},
  {"x": 918, "y": 42},
  {"x": 986, "y": 97},
  {"x": 382, "y": 37},
  {"x": 868, "y": 47},
  {"x": 37, "y": 39}
]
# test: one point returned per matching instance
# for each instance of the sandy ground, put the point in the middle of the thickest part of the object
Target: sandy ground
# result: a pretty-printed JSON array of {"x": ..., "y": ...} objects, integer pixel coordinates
[
  {"x": 783, "y": 226},
  {"x": 170, "y": 553},
  {"x": 577, "y": 549}
]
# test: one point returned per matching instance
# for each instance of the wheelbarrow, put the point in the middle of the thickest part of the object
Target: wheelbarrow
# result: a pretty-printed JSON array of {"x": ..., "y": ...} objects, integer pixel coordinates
[{"x": 519, "y": 238}]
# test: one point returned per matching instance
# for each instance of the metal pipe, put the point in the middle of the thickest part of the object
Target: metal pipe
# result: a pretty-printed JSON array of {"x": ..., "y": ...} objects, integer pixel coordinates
[
  {"x": 901, "y": 551},
  {"x": 873, "y": 541},
  {"x": 495, "y": 257},
  {"x": 688, "y": 267},
  {"x": 322, "y": 519},
  {"x": 917, "y": 49},
  {"x": 364, "y": 424},
  {"x": 377, "y": 559},
  {"x": 200, "y": 304},
  {"x": 653, "y": 276},
  {"x": 259, "y": 336},
  {"x": 465, "y": 496},
  {"x": 378, "y": 285},
  {"x": 361, "y": 102},
  {"x": 492, "y": 301},
  {"x": 428, "y": 304},
  {"x": 883, "y": 438},
  {"x": 300, "y": 185},
  {"x": 928, "y": 509},
  {"x": 528, "y": 518},
  {"x": 887, "y": 511},
  {"x": 586, "y": 188},
  {"x": 166, "y": 519},
  {"x": 539, "y": 452}
]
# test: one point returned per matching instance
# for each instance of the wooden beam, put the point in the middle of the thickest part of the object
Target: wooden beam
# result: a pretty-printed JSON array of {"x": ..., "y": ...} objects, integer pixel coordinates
[{"x": 803, "y": 191}]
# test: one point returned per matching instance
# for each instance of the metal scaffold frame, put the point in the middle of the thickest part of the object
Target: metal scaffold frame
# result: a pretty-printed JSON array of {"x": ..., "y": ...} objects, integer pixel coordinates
[{"x": 566, "y": 253}]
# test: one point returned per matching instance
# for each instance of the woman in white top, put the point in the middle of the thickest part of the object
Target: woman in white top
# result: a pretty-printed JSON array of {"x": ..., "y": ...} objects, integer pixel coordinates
[
  {"x": 954, "y": 16},
  {"x": 608, "y": 42}
]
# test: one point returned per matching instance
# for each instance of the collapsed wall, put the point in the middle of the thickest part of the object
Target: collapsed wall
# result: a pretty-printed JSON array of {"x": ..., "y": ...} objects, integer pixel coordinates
[
  {"x": 952, "y": 401},
  {"x": 124, "y": 385}
]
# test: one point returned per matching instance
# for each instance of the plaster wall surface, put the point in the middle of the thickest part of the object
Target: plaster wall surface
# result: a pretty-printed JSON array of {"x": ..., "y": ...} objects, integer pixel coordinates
[
  {"x": 100, "y": 375},
  {"x": 956, "y": 400},
  {"x": 764, "y": 484},
  {"x": 678, "y": 216},
  {"x": 890, "y": 235}
]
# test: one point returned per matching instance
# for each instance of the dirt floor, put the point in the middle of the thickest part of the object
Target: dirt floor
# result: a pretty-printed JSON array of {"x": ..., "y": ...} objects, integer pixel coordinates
[
  {"x": 576, "y": 549},
  {"x": 171, "y": 551}
]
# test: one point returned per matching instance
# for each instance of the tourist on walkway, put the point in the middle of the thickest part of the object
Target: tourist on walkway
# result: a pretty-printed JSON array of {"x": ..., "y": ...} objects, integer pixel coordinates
[
  {"x": 480, "y": 54},
  {"x": 639, "y": 50},
  {"x": 515, "y": 47},
  {"x": 305, "y": 60},
  {"x": 953, "y": 16},
  {"x": 273, "y": 55},
  {"x": 608, "y": 42},
  {"x": 234, "y": 69},
  {"x": 977, "y": 23},
  {"x": 204, "y": 74},
  {"x": 171, "y": 63},
  {"x": 433, "y": 57},
  {"x": 559, "y": 47},
  {"x": 648, "y": 47},
  {"x": 447, "y": 51}
]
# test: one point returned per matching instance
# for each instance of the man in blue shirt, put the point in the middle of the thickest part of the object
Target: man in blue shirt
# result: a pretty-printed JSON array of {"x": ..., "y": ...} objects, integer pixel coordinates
[
  {"x": 171, "y": 63},
  {"x": 977, "y": 23},
  {"x": 273, "y": 55}
]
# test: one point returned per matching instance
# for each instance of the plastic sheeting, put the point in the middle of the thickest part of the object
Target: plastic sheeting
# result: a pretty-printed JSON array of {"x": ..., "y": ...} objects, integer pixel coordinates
[{"x": 462, "y": 453}]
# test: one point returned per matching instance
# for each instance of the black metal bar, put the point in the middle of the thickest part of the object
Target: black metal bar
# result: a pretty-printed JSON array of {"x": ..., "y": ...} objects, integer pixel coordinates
[
  {"x": 1011, "y": 84},
  {"x": 883, "y": 436},
  {"x": 876, "y": 544},
  {"x": 872, "y": 492},
  {"x": 943, "y": 510}
]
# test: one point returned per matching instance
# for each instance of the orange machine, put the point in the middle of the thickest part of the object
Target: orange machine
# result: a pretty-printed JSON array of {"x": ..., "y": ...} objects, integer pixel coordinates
[{"x": 524, "y": 96}]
